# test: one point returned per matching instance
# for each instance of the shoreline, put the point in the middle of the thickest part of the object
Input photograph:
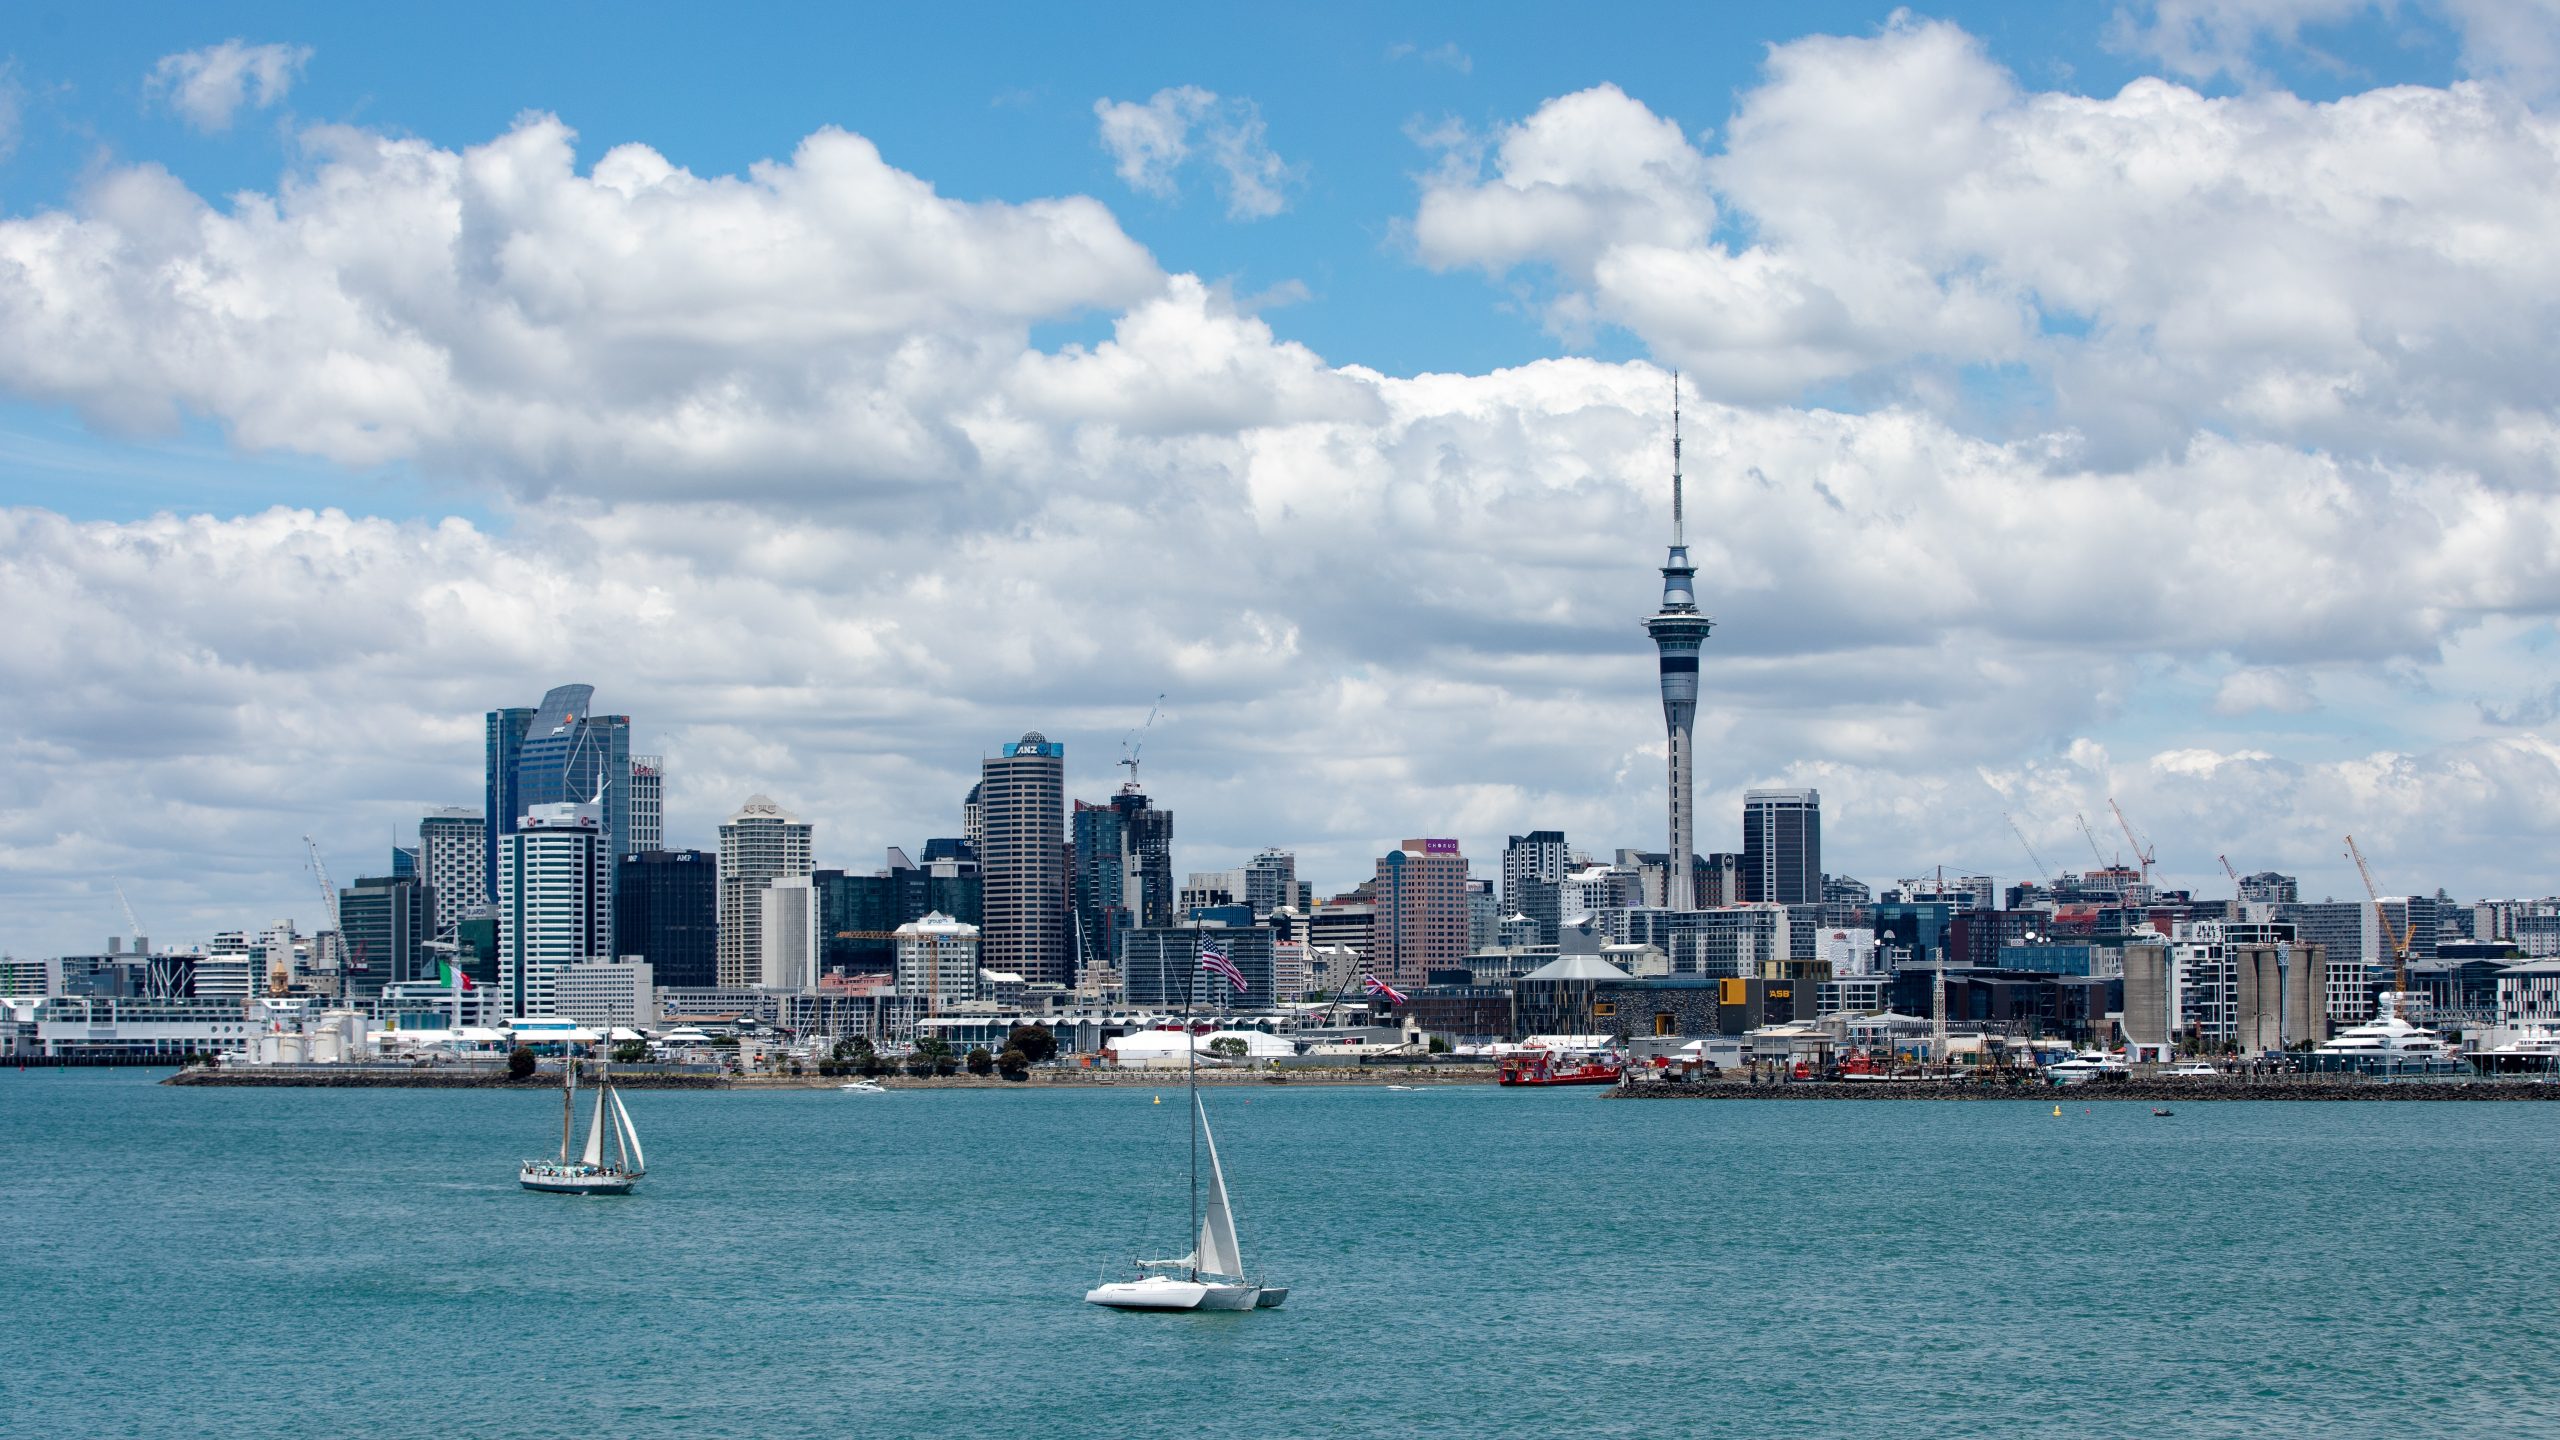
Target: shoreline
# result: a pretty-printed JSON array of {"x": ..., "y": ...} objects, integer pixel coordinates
[{"x": 406, "y": 1078}]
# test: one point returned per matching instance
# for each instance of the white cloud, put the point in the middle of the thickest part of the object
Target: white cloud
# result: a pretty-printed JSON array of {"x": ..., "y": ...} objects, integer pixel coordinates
[
  {"x": 207, "y": 87},
  {"x": 1149, "y": 142},
  {"x": 2246, "y": 691},
  {"x": 2365, "y": 274},
  {"x": 2202, "y": 40},
  {"x": 1445, "y": 55}
]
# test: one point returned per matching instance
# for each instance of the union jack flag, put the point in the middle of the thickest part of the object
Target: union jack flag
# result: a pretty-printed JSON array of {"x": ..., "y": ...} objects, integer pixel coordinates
[
  {"x": 1215, "y": 961},
  {"x": 1376, "y": 986}
]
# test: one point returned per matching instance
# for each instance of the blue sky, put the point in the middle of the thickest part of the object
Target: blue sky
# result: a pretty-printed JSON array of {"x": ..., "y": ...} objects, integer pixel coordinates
[{"x": 2086, "y": 400}]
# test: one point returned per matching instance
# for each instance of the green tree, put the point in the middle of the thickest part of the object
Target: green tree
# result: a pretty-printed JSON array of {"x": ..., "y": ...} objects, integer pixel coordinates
[
  {"x": 1013, "y": 1064},
  {"x": 1231, "y": 1047},
  {"x": 980, "y": 1062},
  {"x": 520, "y": 1063},
  {"x": 1439, "y": 1044},
  {"x": 631, "y": 1052},
  {"x": 1034, "y": 1041}
]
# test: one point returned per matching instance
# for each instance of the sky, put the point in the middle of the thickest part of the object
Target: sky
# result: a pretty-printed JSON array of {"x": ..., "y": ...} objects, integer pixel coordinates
[{"x": 2149, "y": 402}]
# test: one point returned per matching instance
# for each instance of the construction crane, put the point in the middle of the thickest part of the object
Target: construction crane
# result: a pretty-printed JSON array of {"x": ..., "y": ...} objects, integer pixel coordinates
[
  {"x": 2235, "y": 884},
  {"x": 2382, "y": 917},
  {"x": 1135, "y": 740},
  {"x": 2140, "y": 855},
  {"x": 132, "y": 919},
  {"x": 2042, "y": 872},
  {"x": 2086, "y": 829},
  {"x": 350, "y": 956}
]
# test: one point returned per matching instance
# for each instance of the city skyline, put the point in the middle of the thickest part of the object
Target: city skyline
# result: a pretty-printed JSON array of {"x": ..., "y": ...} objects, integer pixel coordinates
[{"x": 1341, "y": 421}]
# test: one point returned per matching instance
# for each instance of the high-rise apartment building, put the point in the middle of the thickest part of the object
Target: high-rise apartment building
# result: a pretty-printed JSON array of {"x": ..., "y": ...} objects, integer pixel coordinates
[
  {"x": 1782, "y": 847},
  {"x": 453, "y": 858},
  {"x": 788, "y": 935},
  {"x": 759, "y": 845},
  {"x": 1533, "y": 867},
  {"x": 1270, "y": 881},
  {"x": 938, "y": 961},
  {"x": 555, "y": 886},
  {"x": 666, "y": 910},
  {"x": 648, "y": 802},
  {"x": 1421, "y": 922},
  {"x": 1023, "y": 810},
  {"x": 382, "y": 923},
  {"x": 1123, "y": 870}
]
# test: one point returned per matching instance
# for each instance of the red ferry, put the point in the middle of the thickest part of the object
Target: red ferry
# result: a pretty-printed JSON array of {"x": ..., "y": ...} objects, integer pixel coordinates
[{"x": 1544, "y": 1067}]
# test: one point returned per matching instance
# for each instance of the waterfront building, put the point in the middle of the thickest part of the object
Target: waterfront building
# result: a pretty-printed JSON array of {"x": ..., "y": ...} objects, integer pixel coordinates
[
  {"x": 1533, "y": 870},
  {"x": 453, "y": 859},
  {"x": 759, "y": 844},
  {"x": 606, "y": 992},
  {"x": 787, "y": 934},
  {"x": 1782, "y": 846},
  {"x": 383, "y": 929},
  {"x": 81, "y": 1027},
  {"x": 230, "y": 974},
  {"x": 555, "y": 887},
  {"x": 1679, "y": 631},
  {"x": 1730, "y": 943},
  {"x": 666, "y": 911},
  {"x": 938, "y": 962},
  {"x": 1160, "y": 968},
  {"x": 1023, "y": 816},
  {"x": 1421, "y": 917},
  {"x": 648, "y": 803}
]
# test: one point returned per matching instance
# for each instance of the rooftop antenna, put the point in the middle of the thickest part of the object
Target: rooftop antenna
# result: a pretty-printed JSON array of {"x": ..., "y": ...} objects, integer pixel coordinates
[
  {"x": 1133, "y": 742},
  {"x": 1675, "y": 460}
]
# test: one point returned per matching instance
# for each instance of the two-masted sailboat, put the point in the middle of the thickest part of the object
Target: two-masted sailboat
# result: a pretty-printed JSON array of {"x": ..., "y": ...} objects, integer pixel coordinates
[
  {"x": 1212, "y": 1276},
  {"x": 590, "y": 1173}
]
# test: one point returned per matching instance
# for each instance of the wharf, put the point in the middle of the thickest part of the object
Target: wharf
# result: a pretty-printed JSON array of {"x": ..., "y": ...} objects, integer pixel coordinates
[
  {"x": 2155, "y": 1092},
  {"x": 411, "y": 1077}
]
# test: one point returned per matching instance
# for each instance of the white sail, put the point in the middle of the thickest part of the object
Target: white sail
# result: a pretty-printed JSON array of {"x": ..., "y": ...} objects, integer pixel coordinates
[
  {"x": 595, "y": 1130},
  {"x": 630, "y": 1136},
  {"x": 1216, "y": 1253}
]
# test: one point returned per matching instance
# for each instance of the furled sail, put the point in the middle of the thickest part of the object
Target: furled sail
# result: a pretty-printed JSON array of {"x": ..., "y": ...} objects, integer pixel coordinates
[{"x": 1217, "y": 1252}]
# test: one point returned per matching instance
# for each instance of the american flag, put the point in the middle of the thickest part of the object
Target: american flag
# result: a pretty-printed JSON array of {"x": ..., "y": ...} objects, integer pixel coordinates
[
  {"x": 1376, "y": 986},
  {"x": 1215, "y": 961}
]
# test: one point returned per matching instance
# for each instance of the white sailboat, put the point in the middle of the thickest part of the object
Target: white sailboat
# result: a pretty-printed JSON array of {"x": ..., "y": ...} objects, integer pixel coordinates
[
  {"x": 590, "y": 1173},
  {"x": 1212, "y": 1276}
]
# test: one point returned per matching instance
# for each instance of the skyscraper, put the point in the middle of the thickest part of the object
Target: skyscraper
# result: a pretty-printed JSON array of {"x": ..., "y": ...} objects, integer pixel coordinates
[
  {"x": 1782, "y": 846},
  {"x": 648, "y": 803},
  {"x": 1123, "y": 871},
  {"x": 666, "y": 910},
  {"x": 554, "y": 906},
  {"x": 1023, "y": 812},
  {"x": 1533, "y": 866},
  {"x": 453, "y": 858},
  {"x": 501, "y": 804},
  {"x": 1270, "y": 881},
  {"x": 759, "y": 845},
  {"x": 1421, "y": 922},
  {"x": 1678, "y": 630},
  {"x": 382, "y": 923}
]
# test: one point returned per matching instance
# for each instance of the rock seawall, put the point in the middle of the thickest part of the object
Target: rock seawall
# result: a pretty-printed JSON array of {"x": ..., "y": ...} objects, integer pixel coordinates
[
  {"x": 2154, "y": 1092},
  {"x": 405, "y": 1079}
]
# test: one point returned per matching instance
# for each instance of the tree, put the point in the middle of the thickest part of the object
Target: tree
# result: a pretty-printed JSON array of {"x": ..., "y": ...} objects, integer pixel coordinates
[
  {"x": 1230, "y": 1047},
  {"x": 1013, "y": 1064},
  {"x": 631, "y": 1052},
  {"x": 1439, "y": 1044},
  {"x": 980, "y": 1062},
  {"x": 1034, "y": 1041},
  {"x": 520, "y": 1063}
]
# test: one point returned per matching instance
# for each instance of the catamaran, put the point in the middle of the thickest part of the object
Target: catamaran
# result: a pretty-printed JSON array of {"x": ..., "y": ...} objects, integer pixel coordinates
[
  {"x": 590, "y": 1173},
  {"x": 1212, "y": 1276}
]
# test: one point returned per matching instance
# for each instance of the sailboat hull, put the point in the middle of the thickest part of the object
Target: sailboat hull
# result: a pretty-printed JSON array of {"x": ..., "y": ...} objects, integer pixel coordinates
[
  {"x": 552, "y": 1181},
  {"x": 1159, "y": 1292}
]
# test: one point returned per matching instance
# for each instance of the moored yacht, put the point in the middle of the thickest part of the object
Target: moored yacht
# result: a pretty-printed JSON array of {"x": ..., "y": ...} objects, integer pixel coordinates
[
  {"x": 2087, "y": 1065},
  {"x": 2388, "y": 1044}
]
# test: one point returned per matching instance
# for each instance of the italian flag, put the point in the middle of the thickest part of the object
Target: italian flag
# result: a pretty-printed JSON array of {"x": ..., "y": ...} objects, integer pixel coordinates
[{"x": 453, "y": 978}]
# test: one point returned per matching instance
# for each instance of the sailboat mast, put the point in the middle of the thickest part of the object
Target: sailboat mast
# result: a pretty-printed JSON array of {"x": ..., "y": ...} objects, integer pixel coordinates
[
  {"x": 1191, "y": 1058},
  {"x": 568, "y": 1100}
]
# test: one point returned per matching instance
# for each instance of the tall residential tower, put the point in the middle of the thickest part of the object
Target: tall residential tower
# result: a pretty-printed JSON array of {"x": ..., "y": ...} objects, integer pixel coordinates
[{"x": 1678, "y": 630}]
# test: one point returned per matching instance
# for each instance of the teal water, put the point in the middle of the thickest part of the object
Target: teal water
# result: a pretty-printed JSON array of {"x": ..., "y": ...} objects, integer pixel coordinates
[{"x": 314, "y": 1262}]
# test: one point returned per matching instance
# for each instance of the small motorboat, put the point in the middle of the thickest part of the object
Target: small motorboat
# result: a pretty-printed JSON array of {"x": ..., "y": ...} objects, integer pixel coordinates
[
  {"x": 2163, "y": 1111},
  {"x": 864, "y": 1087}
]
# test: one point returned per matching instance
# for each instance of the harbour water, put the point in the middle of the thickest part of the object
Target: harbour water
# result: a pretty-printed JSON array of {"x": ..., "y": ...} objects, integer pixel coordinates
[{"x": 361, "y": 1262}]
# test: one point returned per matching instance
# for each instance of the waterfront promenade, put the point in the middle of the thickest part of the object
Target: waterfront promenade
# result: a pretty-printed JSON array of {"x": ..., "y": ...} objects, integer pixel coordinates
[
  {"x": 484, "y": 1077},
  {"x": 2156, "y": 1091}
]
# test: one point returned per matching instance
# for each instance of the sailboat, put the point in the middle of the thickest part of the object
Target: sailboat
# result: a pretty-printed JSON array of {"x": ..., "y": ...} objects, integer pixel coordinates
[
  {"x": 589, "y": 1174},
  {"x": 1212, "y": 1276}
]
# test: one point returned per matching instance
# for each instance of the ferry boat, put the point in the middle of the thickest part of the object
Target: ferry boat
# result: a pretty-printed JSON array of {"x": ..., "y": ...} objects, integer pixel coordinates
[{"x": 1546, "y": 1067}]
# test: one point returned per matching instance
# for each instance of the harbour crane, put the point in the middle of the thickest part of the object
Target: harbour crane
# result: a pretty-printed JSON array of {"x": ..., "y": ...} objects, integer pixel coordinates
[
  {"x": 2390, "y": 932},
  {"x": 1136, "y": 740},
  {"x": 2042, "y": 872},
  {"x": 2140, "y": 855}
]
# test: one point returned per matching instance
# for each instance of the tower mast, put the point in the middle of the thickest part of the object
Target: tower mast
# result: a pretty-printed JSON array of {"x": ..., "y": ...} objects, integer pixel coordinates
[{"x": 1678, "y": 630}]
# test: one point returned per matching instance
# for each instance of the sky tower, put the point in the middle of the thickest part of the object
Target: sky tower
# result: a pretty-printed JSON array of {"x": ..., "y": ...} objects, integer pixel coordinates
[{"x": 1677, "y": 630}]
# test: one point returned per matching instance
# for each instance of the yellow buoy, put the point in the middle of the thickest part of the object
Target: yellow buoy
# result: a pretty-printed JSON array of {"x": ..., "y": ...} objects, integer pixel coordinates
[
  {"x": 1160, "y": 1100},
  {"x": 2057, "y": 1112}
]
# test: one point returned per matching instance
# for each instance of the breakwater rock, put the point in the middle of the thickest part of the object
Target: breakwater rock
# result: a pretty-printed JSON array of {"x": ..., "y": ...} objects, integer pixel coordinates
[
  {"x": 2154, "y": 1092},
  {"x": 402, "y": 1077}
]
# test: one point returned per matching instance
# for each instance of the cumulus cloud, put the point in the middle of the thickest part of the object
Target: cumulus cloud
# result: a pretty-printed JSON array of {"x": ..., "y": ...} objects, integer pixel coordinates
[
  {"x": 2517, "y": 40},
  {"x": 1149, "y": 141},
  {"x": 1897, "y": 213},
  {"x": 207, "y": 87}
]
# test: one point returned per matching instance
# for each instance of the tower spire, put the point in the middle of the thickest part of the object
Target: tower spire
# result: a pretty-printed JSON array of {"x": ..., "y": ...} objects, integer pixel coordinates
[{"x": 1676, "y": 523}]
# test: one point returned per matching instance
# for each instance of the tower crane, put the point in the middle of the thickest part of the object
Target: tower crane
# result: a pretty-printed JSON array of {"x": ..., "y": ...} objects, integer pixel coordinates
[
  {"x": 2042, "y": 873},
  {"x": 350, "y": 955},
  {"x": 139, "y": 933},
  {"x": 2235, "y": 884},
  {"x": 2382, "y": 917},
  {"x": 2141, "y": 856},
  {"x": 1136, "y": 740},
  {"x": 2085, "y": 829}
]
